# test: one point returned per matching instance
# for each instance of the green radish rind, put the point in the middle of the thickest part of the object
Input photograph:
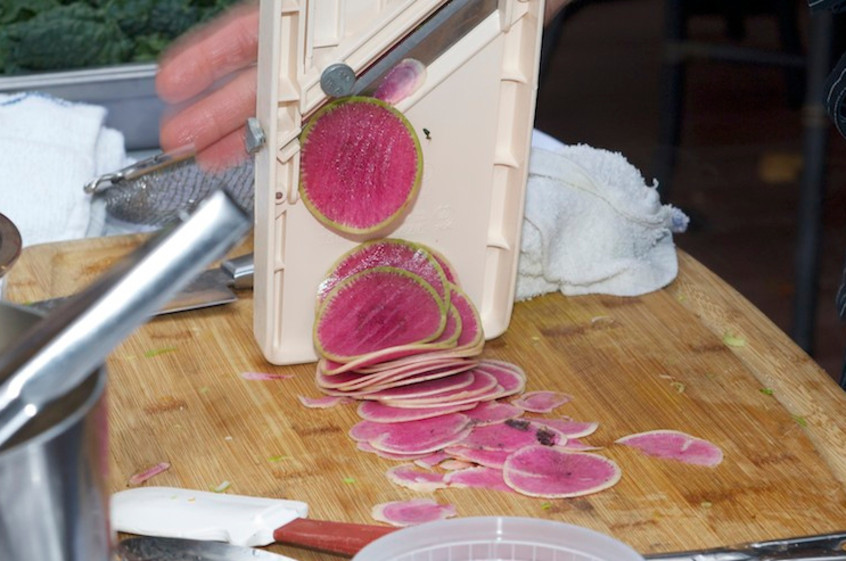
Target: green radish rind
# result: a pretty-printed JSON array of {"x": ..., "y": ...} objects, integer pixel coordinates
[
  {"x": 338, "y": 294},
  {"x": 384, "y": 222}
]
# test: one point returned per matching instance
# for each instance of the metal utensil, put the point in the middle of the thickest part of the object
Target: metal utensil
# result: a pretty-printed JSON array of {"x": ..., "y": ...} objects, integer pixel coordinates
[
  {"x": 213, "y": 287},
  {"x": 822, "y": 547},
  {"x": 178, "y": 549},
  {"x": 60, "y": 351}
]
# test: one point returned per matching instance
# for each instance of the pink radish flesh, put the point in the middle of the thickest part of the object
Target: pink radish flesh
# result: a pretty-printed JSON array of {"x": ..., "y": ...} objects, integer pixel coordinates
[
  {"x": 412, "y": 512},
  {"x": 542, "y": 471},
  {"x": 360, "y": 165},
  {"x": 675, "y": 445},
  {"x": 376, "y": 309}
]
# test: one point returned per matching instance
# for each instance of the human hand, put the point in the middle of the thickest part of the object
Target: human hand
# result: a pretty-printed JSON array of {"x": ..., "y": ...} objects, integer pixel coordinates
[
  {"x": 205, "y": 114},
  {"x": 212, "y": 118}
]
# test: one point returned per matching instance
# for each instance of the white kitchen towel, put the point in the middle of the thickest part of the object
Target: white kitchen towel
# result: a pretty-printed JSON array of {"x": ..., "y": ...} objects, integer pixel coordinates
[
  {"x": 593, "y": 225},
  {"x": 49, "y": 148}
]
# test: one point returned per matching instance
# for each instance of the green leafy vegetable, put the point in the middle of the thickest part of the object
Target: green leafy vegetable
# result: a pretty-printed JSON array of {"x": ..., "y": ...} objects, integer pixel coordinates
[{"x": 44, "y": 35}]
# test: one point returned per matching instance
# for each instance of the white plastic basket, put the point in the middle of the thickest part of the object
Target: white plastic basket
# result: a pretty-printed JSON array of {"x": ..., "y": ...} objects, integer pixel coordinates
[{"x": 497, "y": 538}]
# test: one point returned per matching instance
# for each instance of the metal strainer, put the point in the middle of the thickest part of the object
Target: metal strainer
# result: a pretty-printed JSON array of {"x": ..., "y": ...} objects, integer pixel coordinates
[{"x": 157, "y": 190}]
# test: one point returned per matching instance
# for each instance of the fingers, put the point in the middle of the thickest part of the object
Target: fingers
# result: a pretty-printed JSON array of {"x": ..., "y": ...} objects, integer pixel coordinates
[
  {"x": 202, "y": 57},
  {"x": 227, "y": 152},
  {"x": 212, "y": 117}
]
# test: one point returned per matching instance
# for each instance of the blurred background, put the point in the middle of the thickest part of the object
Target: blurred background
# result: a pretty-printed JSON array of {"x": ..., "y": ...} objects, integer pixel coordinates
[{"x": 739, "y": 154}]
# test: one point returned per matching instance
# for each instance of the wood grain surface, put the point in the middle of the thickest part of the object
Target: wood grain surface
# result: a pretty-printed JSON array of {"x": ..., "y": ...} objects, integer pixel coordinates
[{"x": 695, "y": 357}]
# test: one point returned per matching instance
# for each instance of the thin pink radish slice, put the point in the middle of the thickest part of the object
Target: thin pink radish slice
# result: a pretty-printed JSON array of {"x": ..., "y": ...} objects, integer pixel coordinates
[
  {"x": 409, "y": 475},
  {"x": 489, "y": 412},
  {"x": 360, "y": 165},
  {"x": 509, "y": 376},
  {"x": 413, "y": 437},
  {"x": 543, "y": 471},
  {"x": 411, "y": 377},
  {"x": 675, "y": 445},
  {"x": 480, "y": 477},
  {"x": 365, "y": 447},
  {"x": 541, "y": 401},
  {"x": 433, "y": 355},
  {"x": 401, "y": 81},
  {"x": 471, "y": 324},
  {"x": 412, "y": 512},
  {"x": 376, "y": 309},
  {"x": 511, "y": 435},
  {"x": 392, "y": 354},
  {"x": 323, "y": 402},
  {"x": 431, "y": 460},
  {"x": 388, "y": 252},
  {"x": 569, "y": 427},
  {"x": 354, "y": 382},
  {"x": 380, "y": 413},
  {"x": 483, "y": 384},
  {"x": 424, "y": 388},
  {"x": 488, "y": 458},
  {"x": 454, "y": 465}
]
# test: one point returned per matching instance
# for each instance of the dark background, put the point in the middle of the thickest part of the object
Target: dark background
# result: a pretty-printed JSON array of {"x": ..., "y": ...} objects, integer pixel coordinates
[{"x": 739, "y": 157}]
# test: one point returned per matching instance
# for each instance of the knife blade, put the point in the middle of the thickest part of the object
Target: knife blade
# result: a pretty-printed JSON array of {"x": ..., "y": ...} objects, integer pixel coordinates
[{"x": 213, "y": 287}]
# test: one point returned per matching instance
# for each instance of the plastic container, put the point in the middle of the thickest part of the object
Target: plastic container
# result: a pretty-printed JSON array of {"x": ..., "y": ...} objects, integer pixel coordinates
[
  {"x": 477, "y": 108},
  {"x": 493, "y": 538}
]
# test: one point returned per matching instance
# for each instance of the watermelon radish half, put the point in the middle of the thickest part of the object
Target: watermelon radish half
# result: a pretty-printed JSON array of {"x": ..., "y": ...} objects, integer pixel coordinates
[
  {"x": 376, "y": 309},
  {"x": 360, "y": 165}
]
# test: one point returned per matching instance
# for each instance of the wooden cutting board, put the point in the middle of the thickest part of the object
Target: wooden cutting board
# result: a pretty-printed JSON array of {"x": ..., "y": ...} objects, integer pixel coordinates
[{"x": 695, "y": 357}]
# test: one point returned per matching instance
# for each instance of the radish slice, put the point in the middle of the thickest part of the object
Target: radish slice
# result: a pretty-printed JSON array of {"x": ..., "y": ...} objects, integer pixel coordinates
[
  {"x": 511, "y": 435},
  {"x": 510, "y": 376},
  {"x": 380, "y": 413},
  {"x": 675, "y": 445},
  {"x": 543, "y": 471},
  {"x": 489, "y": 412},
  {"x": 541, "y": 401},
  {"x": 479, "y": 477},
  {"x": 409, "y": 475},
  {"x": 142, "y": 476},
  {"x": 401, "y": 81},
  {"x": 376, "y": 309},
  {"x": 481, "y": 386},
  {"x": 413, "y": 437},
  {"x": 487, "y": 458},
  {"x": 431, "y": 460},
  {"x": 412, "y": 512},
  {"x": 455, "y": 381},
  {"x": 568, "y": 427},
  {"x": 389, "y": 252},
  {"x": 360, "y": 165}
]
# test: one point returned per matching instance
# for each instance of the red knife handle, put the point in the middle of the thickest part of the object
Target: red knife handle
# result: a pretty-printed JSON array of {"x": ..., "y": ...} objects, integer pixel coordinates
[{"x": 334, "y": 537}]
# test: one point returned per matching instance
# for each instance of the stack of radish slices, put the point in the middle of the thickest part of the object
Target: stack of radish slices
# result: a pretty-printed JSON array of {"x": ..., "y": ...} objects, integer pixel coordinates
[
  {"x": 393, "y": 326},
  {"x": 394, "y": 330}
]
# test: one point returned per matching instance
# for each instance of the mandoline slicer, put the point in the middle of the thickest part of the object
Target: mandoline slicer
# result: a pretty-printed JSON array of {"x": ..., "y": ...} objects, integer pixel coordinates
[{"x": 473, "y": 115}]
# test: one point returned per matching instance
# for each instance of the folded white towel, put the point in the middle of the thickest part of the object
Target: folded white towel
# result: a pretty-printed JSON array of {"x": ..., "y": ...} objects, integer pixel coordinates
[
  {"x": 49, "y": 148},
  {"x": 592, "y": 225}
]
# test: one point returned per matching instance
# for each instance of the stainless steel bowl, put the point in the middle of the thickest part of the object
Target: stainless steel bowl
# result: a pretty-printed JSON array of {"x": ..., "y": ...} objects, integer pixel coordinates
[
  {"x": 52, "y": 475},
  {"x": 10, "y": 245}
]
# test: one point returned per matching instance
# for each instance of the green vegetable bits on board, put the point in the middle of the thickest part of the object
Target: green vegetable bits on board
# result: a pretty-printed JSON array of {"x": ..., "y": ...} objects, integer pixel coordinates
[{"x": 52, "y": 35}]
